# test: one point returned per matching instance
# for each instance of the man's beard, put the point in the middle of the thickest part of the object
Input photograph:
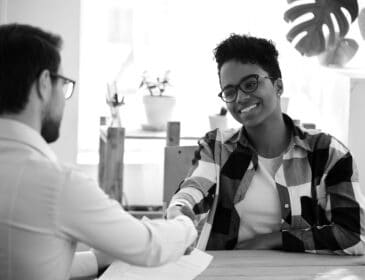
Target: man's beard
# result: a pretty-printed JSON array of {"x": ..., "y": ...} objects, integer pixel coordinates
[{"x": 50, "y": 129}]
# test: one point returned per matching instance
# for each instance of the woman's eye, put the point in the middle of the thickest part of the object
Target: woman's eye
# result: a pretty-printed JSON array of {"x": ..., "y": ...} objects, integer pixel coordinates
[
  {"x": 229, "y": 92},
  {"x": 249, "y": 85}
]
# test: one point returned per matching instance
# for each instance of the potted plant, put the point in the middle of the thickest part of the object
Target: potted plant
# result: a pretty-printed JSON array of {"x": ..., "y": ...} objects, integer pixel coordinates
[
  {"x": 334, "y": 49},
  {"x": 114, "y": 101},
  {"x": 158, "y": 105},
  {"x": 219, "y": 120}
]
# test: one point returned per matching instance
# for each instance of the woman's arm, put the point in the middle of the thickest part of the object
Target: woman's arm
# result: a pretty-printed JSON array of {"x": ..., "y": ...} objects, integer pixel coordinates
[{"x": 341, "y": 227}]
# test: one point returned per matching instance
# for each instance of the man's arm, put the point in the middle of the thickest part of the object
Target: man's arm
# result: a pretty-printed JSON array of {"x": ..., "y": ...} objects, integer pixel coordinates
[
  {"x": 87, "y": 265},
  {"x": 88, "y": 215}
]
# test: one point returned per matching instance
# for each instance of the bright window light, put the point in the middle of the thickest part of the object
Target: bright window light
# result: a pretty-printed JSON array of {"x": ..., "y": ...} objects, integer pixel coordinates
[{"x": 121, "y": 39}]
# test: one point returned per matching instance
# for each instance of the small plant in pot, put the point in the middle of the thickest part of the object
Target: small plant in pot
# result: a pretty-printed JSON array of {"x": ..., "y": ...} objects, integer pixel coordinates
[
  {"x": 219, "y": 120},
  {"x": 157, "y": 86},
  {"x": 114, "y": 100},
  {"x": 159, "y": 106}
]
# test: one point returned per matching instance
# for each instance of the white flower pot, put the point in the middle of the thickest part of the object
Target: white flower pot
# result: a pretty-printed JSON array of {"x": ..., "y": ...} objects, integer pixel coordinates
[
  {"x": 159, "y": 111},
  {"x": 218, "y": 121}
]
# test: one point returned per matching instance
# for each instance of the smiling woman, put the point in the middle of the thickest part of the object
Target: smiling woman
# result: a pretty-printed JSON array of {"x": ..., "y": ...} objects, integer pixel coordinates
[
  {"x": 259, "y": 99},
  {"x": 131, "y": 37},
  {"x": 298, "y": 176}
]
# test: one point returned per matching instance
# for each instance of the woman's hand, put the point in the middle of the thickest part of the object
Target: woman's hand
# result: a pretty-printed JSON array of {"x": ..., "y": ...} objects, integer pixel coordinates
[
  {"x": 262, "y": 242},
  {"x": 177, "y": 210}
]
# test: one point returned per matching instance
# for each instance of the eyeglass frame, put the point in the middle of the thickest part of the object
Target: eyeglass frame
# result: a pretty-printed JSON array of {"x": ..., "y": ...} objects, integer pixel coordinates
[
  {"x": 66, "y": 81},
  {"x": 238, "y": 86}
]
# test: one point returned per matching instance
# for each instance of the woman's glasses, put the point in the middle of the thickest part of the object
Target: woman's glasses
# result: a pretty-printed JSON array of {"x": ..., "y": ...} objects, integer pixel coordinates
[{"x": 248, "y": 85}]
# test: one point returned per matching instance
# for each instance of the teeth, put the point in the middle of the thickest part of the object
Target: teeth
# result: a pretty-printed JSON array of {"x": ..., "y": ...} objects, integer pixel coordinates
[{"x": 248, "y": 108}]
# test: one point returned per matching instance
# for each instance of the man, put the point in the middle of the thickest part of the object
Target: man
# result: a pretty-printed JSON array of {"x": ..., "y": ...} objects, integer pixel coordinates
[
  {"x": 276, "y": 186},
  {"x": 45, "y": 205}
]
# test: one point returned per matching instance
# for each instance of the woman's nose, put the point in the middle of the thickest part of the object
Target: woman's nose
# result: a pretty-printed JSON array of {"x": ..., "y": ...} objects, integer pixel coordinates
[{"x": 241, "y": 95}]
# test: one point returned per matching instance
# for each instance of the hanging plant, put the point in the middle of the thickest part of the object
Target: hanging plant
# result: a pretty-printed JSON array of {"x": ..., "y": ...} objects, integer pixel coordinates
[{"x": 314, "y": 42}]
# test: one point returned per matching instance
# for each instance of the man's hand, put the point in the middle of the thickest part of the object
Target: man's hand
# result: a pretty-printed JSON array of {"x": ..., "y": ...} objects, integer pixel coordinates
[
  {"x": 177, "y": 210},
  {"x": 269, "y": 241}
]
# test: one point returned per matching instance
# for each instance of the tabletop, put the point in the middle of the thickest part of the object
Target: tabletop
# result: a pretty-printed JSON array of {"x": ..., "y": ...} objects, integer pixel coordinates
[
  {"x": 264, "y": 264},
  {"x": 274, "y": 265}
]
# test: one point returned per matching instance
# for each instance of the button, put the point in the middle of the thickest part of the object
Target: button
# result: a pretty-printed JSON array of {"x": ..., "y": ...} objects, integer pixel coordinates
[
  {"x": 286, "y": 205},
  {"x": 282, "y": 221}
]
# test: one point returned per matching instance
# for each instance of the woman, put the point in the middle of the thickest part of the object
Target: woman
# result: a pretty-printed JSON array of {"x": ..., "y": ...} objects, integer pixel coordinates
[{"x": 277, "y": 186}]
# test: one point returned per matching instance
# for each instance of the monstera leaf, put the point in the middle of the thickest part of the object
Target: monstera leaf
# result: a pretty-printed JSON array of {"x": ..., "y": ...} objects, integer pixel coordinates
[{"x": 314, "y": 41}]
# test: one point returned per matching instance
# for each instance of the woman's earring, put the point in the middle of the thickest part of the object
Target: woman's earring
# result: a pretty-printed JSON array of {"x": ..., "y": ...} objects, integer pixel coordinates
[{"x": 279, "y": 88}]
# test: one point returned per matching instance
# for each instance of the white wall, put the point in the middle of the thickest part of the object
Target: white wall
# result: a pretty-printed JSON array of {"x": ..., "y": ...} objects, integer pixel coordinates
[
  {"x": 357, "y": 125},
  {"x": 63, "y": 18},
  {"x": 3, "y": 11},
  {"x": 348, "y": 88}
]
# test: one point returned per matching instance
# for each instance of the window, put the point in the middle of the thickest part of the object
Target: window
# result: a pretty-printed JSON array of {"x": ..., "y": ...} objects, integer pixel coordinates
[{"x": 121, "y": 39}]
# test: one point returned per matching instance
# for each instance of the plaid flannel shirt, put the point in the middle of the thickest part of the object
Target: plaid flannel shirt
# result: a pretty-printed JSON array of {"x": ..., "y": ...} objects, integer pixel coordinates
[{"x": 322, "y": 204}]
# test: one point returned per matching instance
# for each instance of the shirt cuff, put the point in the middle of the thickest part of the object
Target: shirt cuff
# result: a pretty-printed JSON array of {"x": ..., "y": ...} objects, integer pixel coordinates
[
  {"x": 192, "y": 233},
  {"x": 180, "y": 203},
  {"x": 84, "y": 264}
]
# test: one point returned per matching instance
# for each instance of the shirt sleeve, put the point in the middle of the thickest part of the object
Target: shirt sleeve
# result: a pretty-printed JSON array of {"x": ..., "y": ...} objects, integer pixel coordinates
[
  {"x": 84, "y": 264},
  {"x": 196, "y": 191},
  {"x": 88, "y": 215},
  {"x": 340, "y": 224}
]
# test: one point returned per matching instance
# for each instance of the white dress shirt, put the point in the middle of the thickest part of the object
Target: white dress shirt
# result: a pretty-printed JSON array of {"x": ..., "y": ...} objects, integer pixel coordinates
[{"x": 47, "y": 206}]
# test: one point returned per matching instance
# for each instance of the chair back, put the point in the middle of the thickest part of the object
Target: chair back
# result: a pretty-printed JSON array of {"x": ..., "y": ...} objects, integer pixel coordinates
[{"x": 178, "y": 161}]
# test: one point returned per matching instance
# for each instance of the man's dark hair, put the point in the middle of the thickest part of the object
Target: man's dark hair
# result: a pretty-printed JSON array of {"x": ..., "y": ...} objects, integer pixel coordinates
[
  {"x": 25, "y": 51},
  {"x": 248, "y": 49}
]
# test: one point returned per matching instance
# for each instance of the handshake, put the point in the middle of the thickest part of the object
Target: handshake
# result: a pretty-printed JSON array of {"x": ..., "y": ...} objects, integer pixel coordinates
[{"x": 178, "y": 210}]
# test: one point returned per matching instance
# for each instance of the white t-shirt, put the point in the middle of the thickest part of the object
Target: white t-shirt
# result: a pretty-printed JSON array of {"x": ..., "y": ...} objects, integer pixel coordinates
[
  {"x": 259, "y": 211},
  {"x": 46, "y": 207}
]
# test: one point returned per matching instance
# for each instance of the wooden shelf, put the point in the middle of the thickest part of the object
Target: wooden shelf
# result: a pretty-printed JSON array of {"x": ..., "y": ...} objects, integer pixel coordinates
[{"x": 150, "y": 135}]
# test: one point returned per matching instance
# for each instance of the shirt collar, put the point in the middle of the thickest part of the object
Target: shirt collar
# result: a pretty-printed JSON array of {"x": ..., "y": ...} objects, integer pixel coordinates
[
  {"x": 19, "y": 132},
  {"x": 299, "y": 136}
]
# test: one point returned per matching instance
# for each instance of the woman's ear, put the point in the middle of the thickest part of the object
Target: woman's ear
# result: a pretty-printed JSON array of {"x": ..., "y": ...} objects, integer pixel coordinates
[
  {"x": 44, "y": 85},
  {"x": 279, "y": 86}
]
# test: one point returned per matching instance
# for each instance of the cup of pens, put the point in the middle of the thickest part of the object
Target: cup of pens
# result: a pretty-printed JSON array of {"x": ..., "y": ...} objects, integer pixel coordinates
[{"x": 114, "y": 101}]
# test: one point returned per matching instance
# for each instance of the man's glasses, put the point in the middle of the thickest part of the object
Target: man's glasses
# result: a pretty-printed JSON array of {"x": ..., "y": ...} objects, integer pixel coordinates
[
  {"x": 248, "y": 85},
  {"x": 68, "y": 85}
]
